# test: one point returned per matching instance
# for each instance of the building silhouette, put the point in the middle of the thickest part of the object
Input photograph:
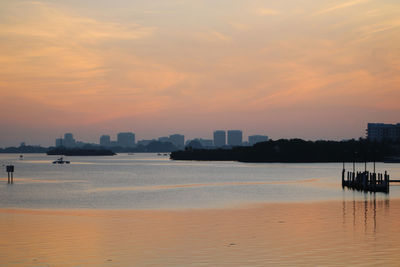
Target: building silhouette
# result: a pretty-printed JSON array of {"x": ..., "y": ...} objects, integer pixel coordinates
[
  {"x": 219, "y": 138},
  {"x": 204, "y": 143},
  {"x": 177, "y": 139},
  {"x": 382, "y": 131},
  {"x": 105, "y": 140},
  {"x": 59, "y": 142},
  {"x": 235, "y": 137},
  {"x": 126, "y": 139},
  {"x": 69, "y": 140},
  {"x": 254, "y": 139},
  {"x": 163, "y": 139},
  {"x": 145, "y": 142}
]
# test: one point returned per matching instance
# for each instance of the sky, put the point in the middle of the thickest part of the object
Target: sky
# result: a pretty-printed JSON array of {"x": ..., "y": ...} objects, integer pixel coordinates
[{"x": 288, "y": 69}]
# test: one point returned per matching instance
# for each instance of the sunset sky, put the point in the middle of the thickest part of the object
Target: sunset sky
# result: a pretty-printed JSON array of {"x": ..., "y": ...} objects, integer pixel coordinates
[{"x": 313, "y": 69}]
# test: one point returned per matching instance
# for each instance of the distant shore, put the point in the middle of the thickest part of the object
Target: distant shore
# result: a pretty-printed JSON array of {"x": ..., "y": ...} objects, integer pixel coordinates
[
  {"x": 296, "y": 151},
  {"x": 80, "y": 152}
]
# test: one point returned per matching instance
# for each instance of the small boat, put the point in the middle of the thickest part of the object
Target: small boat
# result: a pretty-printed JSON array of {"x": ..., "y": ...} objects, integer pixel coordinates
[{"x": 61, "y": 161}]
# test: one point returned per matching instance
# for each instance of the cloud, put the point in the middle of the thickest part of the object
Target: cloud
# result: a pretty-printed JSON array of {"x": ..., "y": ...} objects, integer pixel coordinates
[
  {"x": 48, "y": 46},
  {"x": 267, "y": 12},
  {"x": 213, "y": 36},
  {"x": 53, "y": 24},
  {"x": 340, "y": 6}
]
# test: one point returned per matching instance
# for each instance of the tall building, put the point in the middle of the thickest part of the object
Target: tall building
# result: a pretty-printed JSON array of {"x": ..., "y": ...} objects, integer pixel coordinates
[
  {"x": 382, "y": 131},
  {"x": 219, "y": 138},
  {"x": 68, "y": 140},
  {"x": 105, "y": 140},
  {"x": 177, "y": 139},
  {"x": 126, "y": 139},
  {"x": 59, "y": 142},
  {"x": 235, "y": 137},
  {"x": 254, "y": 139}
]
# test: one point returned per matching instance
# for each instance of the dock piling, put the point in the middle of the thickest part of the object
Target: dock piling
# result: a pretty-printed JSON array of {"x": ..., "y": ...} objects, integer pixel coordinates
[
  {"x": 366, "y": 181},
  {"x": 10, "y": 172}
]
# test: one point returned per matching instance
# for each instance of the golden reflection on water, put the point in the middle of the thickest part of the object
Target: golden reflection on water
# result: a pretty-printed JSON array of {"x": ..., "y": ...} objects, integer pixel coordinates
[
  {"x": 175, "y": 186},
  {"x": 323, "y": 233}
]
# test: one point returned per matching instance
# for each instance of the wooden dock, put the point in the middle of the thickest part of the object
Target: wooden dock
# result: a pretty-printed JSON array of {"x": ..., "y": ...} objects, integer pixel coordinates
[{"x": 366, "y": 181}]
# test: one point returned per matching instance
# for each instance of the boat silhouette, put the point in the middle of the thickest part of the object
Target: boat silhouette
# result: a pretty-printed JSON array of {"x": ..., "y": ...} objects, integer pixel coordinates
[{"x": 61, "y": 161}]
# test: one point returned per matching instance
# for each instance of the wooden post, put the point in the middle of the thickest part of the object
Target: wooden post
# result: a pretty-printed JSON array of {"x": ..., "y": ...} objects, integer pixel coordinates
[{"x": 10, "y": 171}]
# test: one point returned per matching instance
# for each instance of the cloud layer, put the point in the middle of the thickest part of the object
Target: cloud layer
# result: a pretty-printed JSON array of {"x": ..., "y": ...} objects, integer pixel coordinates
[{"x": 292, "y": 69}]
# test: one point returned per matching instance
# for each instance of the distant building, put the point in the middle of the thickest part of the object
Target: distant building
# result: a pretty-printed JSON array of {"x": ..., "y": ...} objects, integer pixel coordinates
[
  {"x": 126, "y": 139},
  {"x": 59, "y": 142},
  {"x": 145, "y": 142},
  {"x": 105, "y": 140},
  {"x": 382, "y": 131},
  {"x": 254, "y": 139},
  {"x": 114, "y": 143},
  {"x": 68, "y": 140},
  {"x": 235, "y": 137},
  {"x": 206, "y": 142},
  {"x": 219, "y": 138},
  {"x": 177, "y": 139},
  {"x": 163, "y": 139}
]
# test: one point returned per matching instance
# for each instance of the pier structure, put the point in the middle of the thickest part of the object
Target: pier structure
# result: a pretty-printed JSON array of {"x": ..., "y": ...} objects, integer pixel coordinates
[
  {"x": 366, "y": 181},
  {"x": 10, "y": 172}
]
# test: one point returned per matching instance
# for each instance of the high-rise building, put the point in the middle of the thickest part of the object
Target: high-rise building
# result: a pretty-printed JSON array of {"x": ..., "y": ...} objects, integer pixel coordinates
[
  {"x": 219, "y": 138},
  {"x": 235, "y": 137},
  {"x": 59, "y": 142},
  {"x": 254, "y": 139},
  {"x": 382, "y": 131},
  {"x": 177, "y": 139},
  {"x": 126, "y": 139},
  {"x": 105, "y": 140},
  {"x": 68, "y": 140}
]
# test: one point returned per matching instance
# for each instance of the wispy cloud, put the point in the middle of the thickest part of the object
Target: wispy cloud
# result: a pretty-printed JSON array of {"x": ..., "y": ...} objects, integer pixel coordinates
[
  {"x": 340, "y": 6},
  {"x": 46, "y": 21},
  {"x": 213, "y": 36}
]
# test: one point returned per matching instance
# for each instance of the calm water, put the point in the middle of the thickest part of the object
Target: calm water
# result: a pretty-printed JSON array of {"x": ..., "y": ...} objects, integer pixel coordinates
[
  {"x": 149, "y": 181},
  {"x": 145, "y": 210}
]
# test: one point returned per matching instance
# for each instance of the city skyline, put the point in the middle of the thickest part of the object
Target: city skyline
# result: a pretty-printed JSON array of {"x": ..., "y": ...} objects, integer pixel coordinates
[
  {"x": 292, "y": 69},
  {"x": 127, "y": 139},
  {"x": 112, "y": 139}
]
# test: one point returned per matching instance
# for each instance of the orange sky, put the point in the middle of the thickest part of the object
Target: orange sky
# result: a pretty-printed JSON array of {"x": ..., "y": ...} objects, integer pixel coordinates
[{"x": 300, "y": 68}]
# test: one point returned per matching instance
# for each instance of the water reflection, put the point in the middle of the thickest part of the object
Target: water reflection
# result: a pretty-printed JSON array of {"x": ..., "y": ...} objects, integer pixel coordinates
[
  {"x": 369, "y": 210},
  {"x": 292, "y": 234}
]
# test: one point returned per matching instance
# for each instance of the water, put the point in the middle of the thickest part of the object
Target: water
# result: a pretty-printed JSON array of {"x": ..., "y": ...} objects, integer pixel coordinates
[
  {"x": 150, "y": 181},
  {"x": 145, "y": 210}
]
